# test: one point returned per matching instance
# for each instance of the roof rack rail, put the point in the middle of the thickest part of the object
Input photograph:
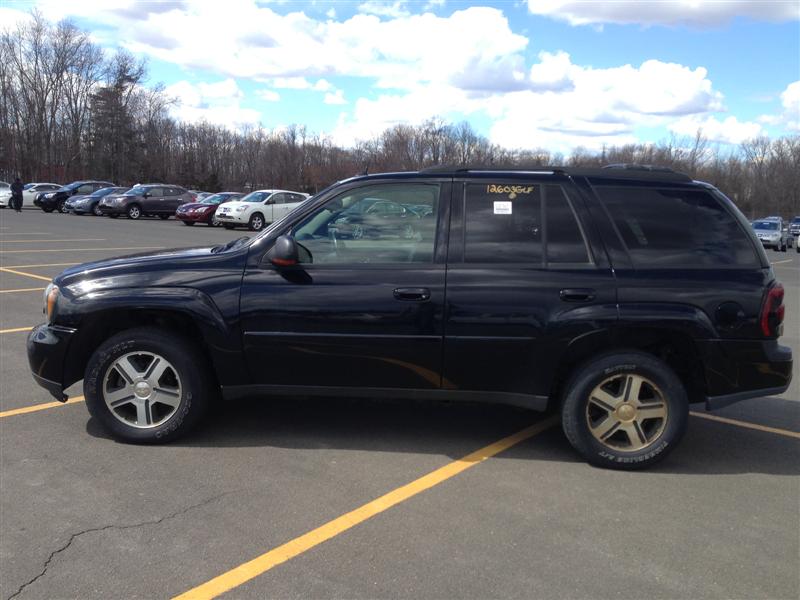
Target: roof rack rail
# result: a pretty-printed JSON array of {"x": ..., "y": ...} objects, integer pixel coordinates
[{"x": 639, "y": 167}]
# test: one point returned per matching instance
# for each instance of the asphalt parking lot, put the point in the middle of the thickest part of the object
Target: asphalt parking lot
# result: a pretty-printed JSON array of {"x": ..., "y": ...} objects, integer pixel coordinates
[{"x": 277, "y": 499}]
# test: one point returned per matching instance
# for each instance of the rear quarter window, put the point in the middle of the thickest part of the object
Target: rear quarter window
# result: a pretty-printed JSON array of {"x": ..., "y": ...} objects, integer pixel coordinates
[{"x": 667, "y": 228}]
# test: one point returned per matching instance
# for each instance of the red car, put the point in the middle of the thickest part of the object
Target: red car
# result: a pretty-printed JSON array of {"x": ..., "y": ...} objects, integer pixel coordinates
[{"x": 204, "y": 211}]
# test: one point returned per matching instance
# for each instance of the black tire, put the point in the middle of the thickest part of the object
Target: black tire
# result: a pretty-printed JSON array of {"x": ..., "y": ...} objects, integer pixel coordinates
[
  {"x": 576, "y": 409},
  {"x": 62, "y": 207},
  {"x": 47, "y": 210},
  {"x": 96, "y": 210},
  {"x": 256, "y": 222},
  {"x": 783, "y": 248},
  {"x": 163, "y": 217},
  {"x": 134, "y": 212},
  {"x": 197, "y": 385},
  {"x": 188, "y": 223},
  {"x": 228, "y": 226}
]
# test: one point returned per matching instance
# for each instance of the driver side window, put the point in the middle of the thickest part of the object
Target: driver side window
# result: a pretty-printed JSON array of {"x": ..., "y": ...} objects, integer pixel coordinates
[{"x": 377, "y": 224}]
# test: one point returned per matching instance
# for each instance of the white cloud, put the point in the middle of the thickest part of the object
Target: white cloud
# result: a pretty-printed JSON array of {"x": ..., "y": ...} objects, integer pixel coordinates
[
  {"x": 336, "y": 97},
  {"x": 789, "y": 117},
  {"x": 727, "y": 131},
  {"x": 699, "y": 13},
  {"x": 268, "y": 95},
  {"x": 300, "y": 83},
  {"x": 381, "y": 8},
  {"x": 331, "y": 13},
  {"x": 218, "y": 103}
]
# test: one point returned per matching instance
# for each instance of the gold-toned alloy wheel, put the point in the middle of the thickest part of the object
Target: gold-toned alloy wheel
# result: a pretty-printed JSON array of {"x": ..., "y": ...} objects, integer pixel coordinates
[{"x": 626, "y": 412}]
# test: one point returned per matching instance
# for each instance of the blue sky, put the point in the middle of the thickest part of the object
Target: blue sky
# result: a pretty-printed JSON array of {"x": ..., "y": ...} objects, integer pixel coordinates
[{"x": 529, "y": 74}]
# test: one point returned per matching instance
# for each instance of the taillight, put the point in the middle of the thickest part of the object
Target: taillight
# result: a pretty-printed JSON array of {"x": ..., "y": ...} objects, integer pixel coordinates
[{"x": 773, "y": 311}]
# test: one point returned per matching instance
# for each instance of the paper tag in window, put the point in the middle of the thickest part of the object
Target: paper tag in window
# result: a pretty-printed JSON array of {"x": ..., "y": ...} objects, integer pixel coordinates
[{"x": 502, "y": 208}]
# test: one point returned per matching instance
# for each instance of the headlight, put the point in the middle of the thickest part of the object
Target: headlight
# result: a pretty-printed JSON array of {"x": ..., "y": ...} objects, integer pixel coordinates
[
  {"x": 241, "y": 208},
  {"x": 51, "y": 293},
  {"x": 50, "y": 195}
]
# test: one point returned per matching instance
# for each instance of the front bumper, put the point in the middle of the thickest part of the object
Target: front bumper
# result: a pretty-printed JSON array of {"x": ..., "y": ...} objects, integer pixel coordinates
[
  {"x": 194, "y": 217},
  {"x": 233, "y": 218},
  {"x": 737, "y": 370},
  {"x": 112, "y": 210},
  {"x": 47, "y": 349}
]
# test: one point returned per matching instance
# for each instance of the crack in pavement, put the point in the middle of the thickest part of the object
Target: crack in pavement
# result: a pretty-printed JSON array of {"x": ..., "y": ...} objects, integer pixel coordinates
[{"x": 75, "y": 536}]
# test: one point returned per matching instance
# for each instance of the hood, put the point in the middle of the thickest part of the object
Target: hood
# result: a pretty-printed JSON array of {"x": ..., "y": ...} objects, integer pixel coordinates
[
  {"x": 79, "y": 197},
  {"x": 193, "y": 205},
  {"x": 234, "y": 204}
]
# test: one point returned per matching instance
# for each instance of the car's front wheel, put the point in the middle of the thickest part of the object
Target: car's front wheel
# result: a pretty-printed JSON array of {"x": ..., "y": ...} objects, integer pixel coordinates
[
  {"x": 134, "y": 212},
  {"x": 62, "y": 207},
  {"x": 624, "y": 410},
  {"x": 256, "y": 222},
  {"x": 146, "y": 386},
  {"x": 189, "y": 223},
  {"x": 96, "y": 211}
]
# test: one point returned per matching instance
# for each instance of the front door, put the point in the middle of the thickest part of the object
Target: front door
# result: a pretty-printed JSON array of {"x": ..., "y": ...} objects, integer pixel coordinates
[
  {"x": 361, "y": 311},
  {"x": 525, "y": 277},
  {"x": 151, "y": 203}
]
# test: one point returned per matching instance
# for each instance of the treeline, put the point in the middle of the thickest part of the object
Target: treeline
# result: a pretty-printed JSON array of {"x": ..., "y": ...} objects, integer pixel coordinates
[{"x": 69, "y": 111}]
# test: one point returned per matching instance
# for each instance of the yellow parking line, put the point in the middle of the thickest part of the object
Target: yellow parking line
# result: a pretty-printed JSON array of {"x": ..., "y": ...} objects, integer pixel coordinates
[
  {"x": 24, "y": 274},
  {"x": 22, "y": 290},
  {"x": 37, "y": 266},
  {"x": 15, "y": 330},
  {"x": 38, "y": 407},
  {"x": 748, "y": 425},
  {"x": 80, "y": 249},
  {"x": 52, "y": 241},
  {"x": 261, "y": 564}
]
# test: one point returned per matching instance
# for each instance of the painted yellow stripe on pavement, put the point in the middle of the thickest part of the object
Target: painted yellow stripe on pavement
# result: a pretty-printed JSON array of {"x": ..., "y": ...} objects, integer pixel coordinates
[
  {"x": 22, "y": 290},
  {"x": 52, "y": 241},
  {"x": 80, "y": 249},
  {"x": 37, "y": 407},
  {"x": 16, "y": 330},
  {"x": 748, "y": 425},
  {"x": 24, "y": 274},
  {"x": 45, "y": 265},
  {"x": 261, "y": 564}
]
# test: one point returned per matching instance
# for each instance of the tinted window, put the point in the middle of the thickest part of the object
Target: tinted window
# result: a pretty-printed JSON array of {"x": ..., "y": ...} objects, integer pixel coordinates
[
  {"x": 278, "y": 199},
  {"x": 677, "y": 228},
  {"x": 85, "y": 188},
  {"x": 767, "y": 225},
  {"x": 565, "y": 243},
  {"x": 155, "y": 192},
  {"x": 503, "y": 223},
  {"x": 343, "y": 231}
]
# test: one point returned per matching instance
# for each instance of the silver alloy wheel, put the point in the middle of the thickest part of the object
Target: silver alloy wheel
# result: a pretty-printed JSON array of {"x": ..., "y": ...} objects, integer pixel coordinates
[
  {"x": 96, "y": 210},
  {"x": 626, "y": 412},
  {"x": 257, "y": 223},
  {"x": 63, "y": 207},
  {"x": 142, "y": 389},
  {"x": 134, "y": 212}
]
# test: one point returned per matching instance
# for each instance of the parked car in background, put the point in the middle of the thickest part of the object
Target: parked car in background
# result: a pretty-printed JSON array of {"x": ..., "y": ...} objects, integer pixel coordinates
[
  {"x": 259, "y": 208},
  {"x": 373, "y": 218},
  {"x": 83, "y": 205},
  {"x": 204, "y": 210},
  {"x": 29, "y": 193},
  {"x": 794, "y": 228},
  {"x": 770, "y": 233},
  {"x": 57, "y": 200},
  {"x": 198, "y": 195},
  {"x": 4, "y": 185},
  {"x": 149, "y": 199}
]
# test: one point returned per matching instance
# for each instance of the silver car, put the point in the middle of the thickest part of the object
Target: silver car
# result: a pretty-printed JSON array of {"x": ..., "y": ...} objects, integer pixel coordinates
[{"x": 771, "y": 233}]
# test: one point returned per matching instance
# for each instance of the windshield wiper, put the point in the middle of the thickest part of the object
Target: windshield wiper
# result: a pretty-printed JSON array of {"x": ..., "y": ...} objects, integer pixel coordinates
[{"x": 230, "y": 245}]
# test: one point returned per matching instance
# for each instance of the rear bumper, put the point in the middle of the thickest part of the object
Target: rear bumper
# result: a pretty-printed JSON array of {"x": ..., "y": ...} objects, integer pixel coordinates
[
  {"x": 737, "y": 370},
  {"x": 47, "y": 349}
]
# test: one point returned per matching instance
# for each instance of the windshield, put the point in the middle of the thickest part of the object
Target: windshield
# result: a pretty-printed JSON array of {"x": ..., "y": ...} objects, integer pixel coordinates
[
  {"x": 795, "y": 220},
  {"x": 28, "y": 186},
  {"x": 768, "y": 225},
  {"x": 256, "y": 197},
  {"x": 214, "y": 199},
  {"x": 103, "y": 192}
]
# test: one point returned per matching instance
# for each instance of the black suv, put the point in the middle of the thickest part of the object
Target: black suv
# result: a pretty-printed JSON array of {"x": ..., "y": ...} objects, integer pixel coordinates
[
  {"x": 57, "y": 200},
  {"x": 582, "y": 291}
]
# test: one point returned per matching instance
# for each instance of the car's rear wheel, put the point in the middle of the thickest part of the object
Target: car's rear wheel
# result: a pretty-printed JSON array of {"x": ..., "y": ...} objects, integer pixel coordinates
[
  {"x": 163, "y": 217},
  {"x": 256, "y": 222},
  {"x": 47, "y": 210},
  {"x": 625, "y": 410},
  {"x": 146, "y": 386},
  {"x": 134, "y": 212},
  {"x": 188, "y": 223}
]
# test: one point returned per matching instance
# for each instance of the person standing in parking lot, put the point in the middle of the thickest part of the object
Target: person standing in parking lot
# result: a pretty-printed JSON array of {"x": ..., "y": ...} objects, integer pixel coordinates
[{"x": 16, "y": 195}]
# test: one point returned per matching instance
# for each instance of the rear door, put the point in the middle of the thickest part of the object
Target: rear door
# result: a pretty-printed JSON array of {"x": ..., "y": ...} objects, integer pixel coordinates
[{"x": 526, "y": 276}]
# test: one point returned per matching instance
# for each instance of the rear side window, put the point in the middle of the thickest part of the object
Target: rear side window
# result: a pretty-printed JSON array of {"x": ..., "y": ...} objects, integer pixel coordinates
[
  {"x": 677, "y": 228},
  {"x": 521, "y": 224}
]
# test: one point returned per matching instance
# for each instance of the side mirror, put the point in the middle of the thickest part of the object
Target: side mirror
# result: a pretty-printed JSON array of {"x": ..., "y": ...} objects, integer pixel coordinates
[
  {"x": 284, "y": 253},
  {"x": 146, "y": 195}
]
